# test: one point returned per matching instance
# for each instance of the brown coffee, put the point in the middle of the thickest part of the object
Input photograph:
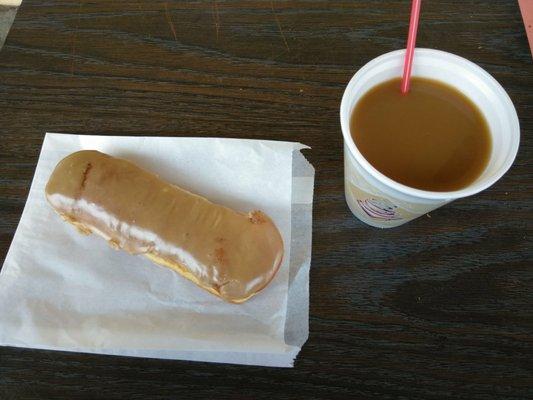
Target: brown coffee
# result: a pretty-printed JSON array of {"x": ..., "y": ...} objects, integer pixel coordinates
[{"x": 433, "y": 138}]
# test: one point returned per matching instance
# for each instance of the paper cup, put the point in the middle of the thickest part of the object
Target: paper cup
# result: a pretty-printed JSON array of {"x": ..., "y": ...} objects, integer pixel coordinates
[{"x": 378, "y": 200}]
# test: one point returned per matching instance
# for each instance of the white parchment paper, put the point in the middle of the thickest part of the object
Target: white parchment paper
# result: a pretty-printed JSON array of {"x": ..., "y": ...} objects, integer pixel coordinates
[{"x": 65, "y": 291}]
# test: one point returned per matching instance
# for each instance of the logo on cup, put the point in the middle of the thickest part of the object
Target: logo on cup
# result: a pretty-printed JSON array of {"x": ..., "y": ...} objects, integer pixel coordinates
[{"x": 381, "y": 209}]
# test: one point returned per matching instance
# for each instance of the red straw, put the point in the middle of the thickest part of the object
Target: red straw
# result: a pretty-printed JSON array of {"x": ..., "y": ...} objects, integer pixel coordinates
[{"x": 411, "y": 42}]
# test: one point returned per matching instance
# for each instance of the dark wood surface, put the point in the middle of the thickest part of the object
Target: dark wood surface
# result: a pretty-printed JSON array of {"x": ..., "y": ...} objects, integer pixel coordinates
[{"x": 441, "y": 308}]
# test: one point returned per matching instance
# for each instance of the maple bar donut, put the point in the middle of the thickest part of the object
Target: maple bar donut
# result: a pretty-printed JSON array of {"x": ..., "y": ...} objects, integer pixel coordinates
[{"x": 230, "y": 254}]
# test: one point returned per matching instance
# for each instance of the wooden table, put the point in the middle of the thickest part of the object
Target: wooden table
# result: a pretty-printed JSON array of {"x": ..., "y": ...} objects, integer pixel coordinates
[{"x": 441, "y": 308}]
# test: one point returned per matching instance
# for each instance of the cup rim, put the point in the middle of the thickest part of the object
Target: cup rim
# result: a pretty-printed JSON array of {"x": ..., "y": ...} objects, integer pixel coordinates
[{"x": 407, "y": 190}]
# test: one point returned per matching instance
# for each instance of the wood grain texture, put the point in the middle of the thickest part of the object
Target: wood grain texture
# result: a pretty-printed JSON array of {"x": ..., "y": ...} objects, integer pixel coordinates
[{"x": 441, "y": 308}]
